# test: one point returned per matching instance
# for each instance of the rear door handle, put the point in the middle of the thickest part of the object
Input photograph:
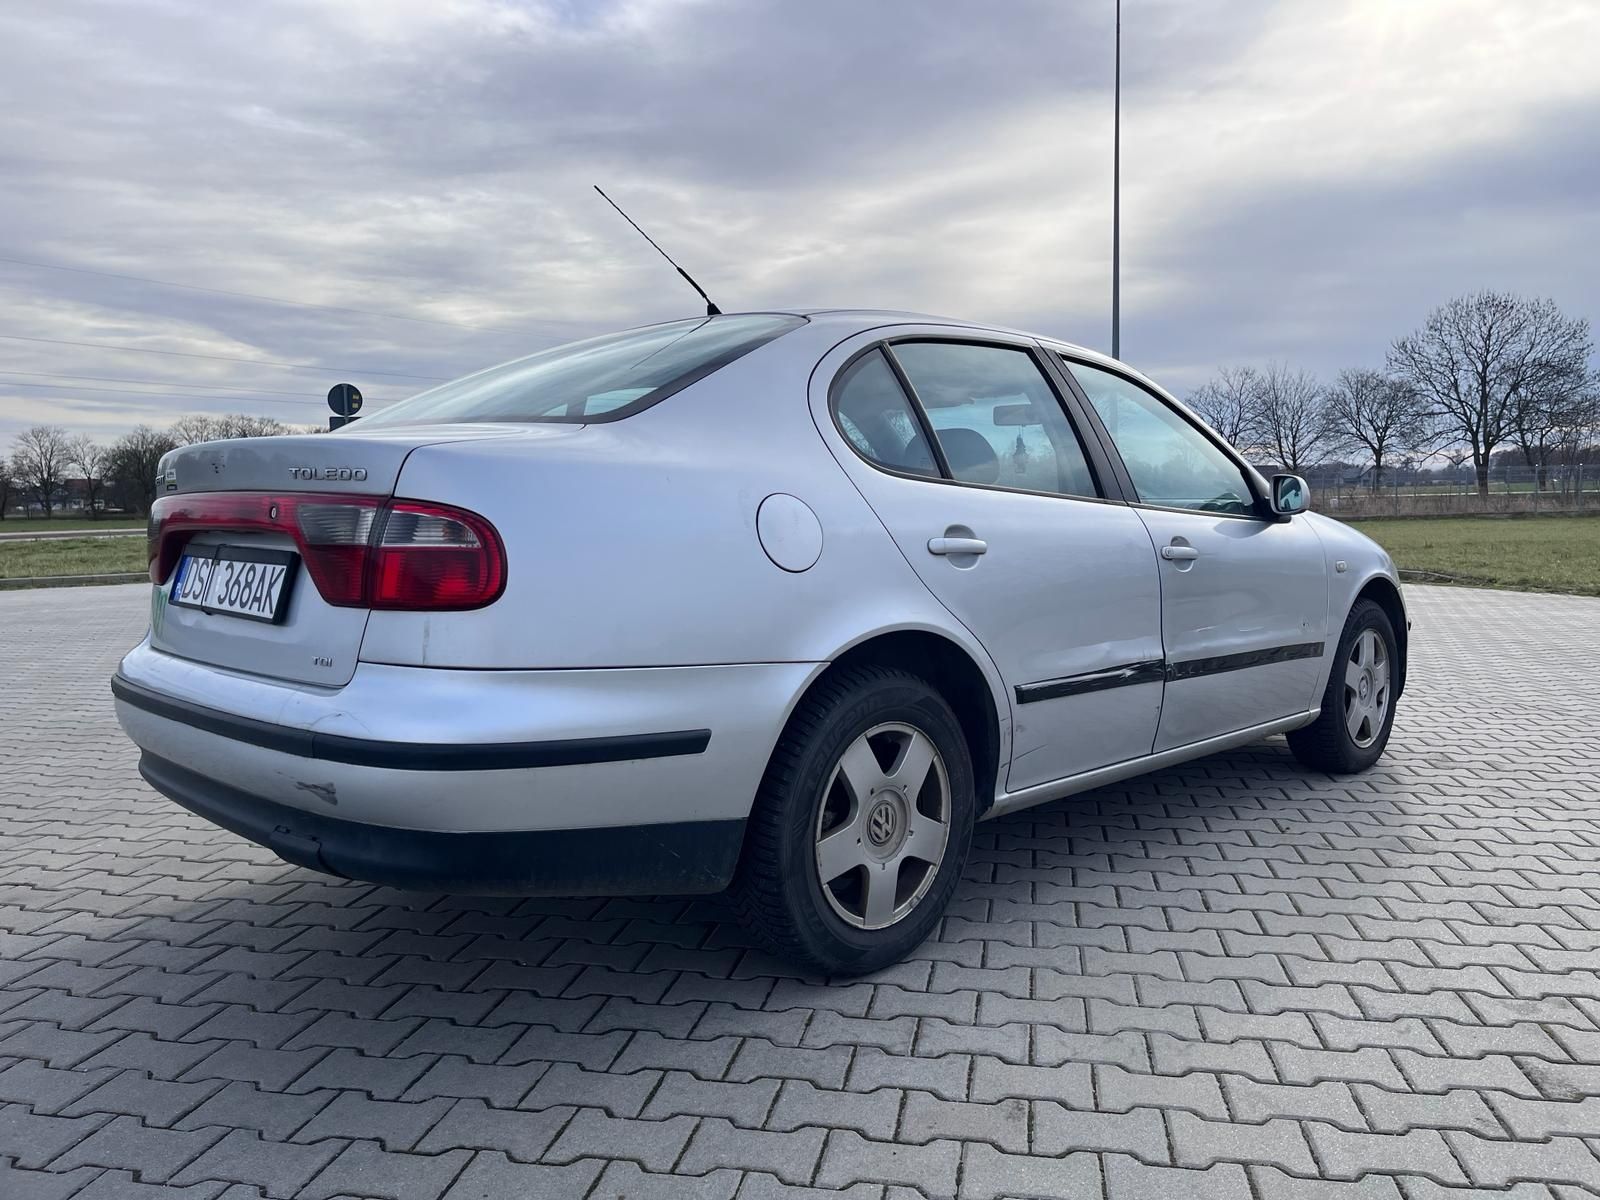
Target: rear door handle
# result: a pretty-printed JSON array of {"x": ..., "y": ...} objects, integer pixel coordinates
[
  {"x": 1179, "y": 553},
  {"x": 957, "y": 545}
]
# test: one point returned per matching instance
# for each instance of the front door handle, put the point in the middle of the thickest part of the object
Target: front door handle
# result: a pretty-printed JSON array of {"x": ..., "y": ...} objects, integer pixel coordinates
[
  {"x": 1179, "y": 553},
  {"x": 957, "y": 545}
]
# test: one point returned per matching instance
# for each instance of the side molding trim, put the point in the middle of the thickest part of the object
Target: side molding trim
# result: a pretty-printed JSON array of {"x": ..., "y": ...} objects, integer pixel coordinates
[
  {"x": 1196, "y": 667},
  {"x": 1149, "y": 671},
  {"x": 1153, "y": 670}
]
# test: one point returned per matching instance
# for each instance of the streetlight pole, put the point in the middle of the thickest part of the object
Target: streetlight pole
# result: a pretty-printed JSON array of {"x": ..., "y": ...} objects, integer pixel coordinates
[{"x": 1116, "y": 197}]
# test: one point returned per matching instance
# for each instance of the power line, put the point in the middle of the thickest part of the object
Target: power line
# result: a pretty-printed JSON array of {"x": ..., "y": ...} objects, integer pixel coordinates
[
  {"x": 255, "y": 362},
  {"x": 364, "y": 312},
  {"x": 65, "y": 387},
  {"x": 159, "y": 383}
]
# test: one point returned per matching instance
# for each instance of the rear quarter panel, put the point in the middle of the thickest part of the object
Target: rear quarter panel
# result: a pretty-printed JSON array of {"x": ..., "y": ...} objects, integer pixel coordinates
[{"x": 634, "y": 544}]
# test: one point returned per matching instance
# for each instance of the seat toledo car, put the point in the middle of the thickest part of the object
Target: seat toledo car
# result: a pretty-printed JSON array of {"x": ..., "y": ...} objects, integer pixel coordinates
[{"x": 780, "y": 603}]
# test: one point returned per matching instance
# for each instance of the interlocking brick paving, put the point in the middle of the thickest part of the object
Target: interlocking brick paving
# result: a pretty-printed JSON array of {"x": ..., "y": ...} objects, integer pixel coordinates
[{"x": 1231, "y": 979}]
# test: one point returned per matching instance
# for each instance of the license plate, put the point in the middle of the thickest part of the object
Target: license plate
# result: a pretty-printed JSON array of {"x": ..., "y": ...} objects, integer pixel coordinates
[{"x": 239, "y": 581}]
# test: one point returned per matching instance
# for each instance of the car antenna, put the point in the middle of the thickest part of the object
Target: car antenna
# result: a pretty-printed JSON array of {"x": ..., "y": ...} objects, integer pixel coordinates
[{"x": 711, "y": 309}]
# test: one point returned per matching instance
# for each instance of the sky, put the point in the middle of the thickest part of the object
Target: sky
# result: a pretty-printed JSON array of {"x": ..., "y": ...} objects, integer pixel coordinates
[{"x": 1301, "y": 181}]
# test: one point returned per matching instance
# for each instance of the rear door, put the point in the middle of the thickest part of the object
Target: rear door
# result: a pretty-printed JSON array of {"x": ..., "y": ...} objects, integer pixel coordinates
[
  {"x": 1244, "y": 608},
  {"x": 967, "y": 453}
]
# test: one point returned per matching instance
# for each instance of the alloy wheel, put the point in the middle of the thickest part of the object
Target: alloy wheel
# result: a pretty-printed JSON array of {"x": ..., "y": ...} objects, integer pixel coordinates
[
  {"x": 1366, "y": 688},
  {"x": 883, "y": 826}
]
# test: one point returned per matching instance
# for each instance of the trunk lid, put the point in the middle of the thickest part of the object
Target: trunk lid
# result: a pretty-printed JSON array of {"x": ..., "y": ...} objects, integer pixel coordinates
[
  {"x": 351, "y": 460},
  {"x": 316, "y": 642}
]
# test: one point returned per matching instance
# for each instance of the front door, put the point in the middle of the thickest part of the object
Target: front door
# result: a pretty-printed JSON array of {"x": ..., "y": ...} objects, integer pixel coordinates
[
  {"x": 1244, "y": 596},
  {"x": 967, "y": 454}
]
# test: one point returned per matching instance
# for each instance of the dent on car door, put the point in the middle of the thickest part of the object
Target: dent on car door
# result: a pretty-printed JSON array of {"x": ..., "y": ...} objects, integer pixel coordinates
[{"x": 1244, "y": 609}]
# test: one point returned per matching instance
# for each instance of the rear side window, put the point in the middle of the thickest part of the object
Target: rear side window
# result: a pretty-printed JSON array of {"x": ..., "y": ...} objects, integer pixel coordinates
[
  {"x": 874, "y": 413},
  {"x": 997, "y": 418},
  {"x": 600, "y": 379}
]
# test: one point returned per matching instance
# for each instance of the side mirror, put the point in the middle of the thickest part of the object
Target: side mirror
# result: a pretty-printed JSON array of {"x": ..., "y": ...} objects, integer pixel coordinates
[{"x": 1290, "y": 495}]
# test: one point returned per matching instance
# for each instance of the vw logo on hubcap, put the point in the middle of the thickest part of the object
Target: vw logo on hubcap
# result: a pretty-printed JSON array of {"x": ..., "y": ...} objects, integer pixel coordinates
[{"x": 882, "y": 824}]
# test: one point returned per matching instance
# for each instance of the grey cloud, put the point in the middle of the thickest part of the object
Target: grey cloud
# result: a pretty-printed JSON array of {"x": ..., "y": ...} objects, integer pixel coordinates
[
  {"x": 941, "y": 155},
  {"x": 1328, "y": 275}
]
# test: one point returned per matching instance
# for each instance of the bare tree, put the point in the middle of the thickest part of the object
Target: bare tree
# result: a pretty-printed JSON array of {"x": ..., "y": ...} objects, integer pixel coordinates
[
  {"x": 1379, "y": 414},
  {"x": 88, "y": 458},
  {"x": 241, "y": 425},
  {"x": 1553, "y": 401},
  {"x": 8, "y": 486},
  {"x": 187, "y": 431},
  {"x": 1228, "y": 404},
  {"x": 39, "y": 460},
  {"x": 1585, "y": 427},
  {"x": 1478, "y": 357},
  {"x": 1543, "y": 425},
  {"x": 1581, "y": 427},
  {"x": 131, "y": 463},
  {"x": 1291, "y": 417},
  {"x": 190, "y": 430}
]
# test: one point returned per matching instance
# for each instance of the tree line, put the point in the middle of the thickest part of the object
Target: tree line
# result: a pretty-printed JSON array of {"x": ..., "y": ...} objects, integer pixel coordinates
[
  {"x": 46, "y": 460},
  {"x": 1485, "y": 374}
]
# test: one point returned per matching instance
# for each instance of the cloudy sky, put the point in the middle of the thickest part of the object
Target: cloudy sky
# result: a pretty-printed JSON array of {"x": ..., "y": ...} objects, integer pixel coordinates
[{"x": 1301, "y": 181}]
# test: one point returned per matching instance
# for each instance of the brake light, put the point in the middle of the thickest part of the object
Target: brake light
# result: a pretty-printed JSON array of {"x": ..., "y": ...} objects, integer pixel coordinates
[
  {"x": 360, "y": 551},
  {"x": 430, "y": 556}
]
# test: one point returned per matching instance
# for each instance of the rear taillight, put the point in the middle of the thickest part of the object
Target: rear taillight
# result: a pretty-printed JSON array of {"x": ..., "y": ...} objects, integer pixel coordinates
[
  {"x": 360, "y": 551},
  {"x": 335, "y": 540},
  {"x": 431, "y": 556}
]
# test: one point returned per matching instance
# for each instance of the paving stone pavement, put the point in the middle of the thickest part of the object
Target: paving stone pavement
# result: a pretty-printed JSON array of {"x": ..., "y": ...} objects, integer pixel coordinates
[{"x": 1231, "y": 979}]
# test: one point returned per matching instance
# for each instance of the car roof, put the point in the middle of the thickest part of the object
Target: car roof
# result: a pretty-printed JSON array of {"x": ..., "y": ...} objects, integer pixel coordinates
[{"x": 847, "y": 321}]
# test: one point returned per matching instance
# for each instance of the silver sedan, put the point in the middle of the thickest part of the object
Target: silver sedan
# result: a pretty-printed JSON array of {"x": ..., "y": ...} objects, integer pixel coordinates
[{"x": 776, "y": 602}]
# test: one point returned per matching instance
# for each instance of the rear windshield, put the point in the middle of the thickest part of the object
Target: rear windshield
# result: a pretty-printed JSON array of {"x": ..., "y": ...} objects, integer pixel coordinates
[{"x": 600, "y": 379}]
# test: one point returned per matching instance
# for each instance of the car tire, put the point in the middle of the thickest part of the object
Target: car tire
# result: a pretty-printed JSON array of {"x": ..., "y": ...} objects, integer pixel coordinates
[
  {"x": 846, "y": 768},
  {"x": 1353, "y": 728}
]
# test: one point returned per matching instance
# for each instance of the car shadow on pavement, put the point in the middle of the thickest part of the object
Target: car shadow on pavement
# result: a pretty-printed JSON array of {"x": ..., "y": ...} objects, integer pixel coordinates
[{"x": 1098, "y": 858}]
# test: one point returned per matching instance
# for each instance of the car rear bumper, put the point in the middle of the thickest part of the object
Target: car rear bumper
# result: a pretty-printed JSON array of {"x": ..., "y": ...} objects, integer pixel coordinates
[
  {"x": 411, "y": 756},
  {"x": 660, "y": 761},
  {"x": 668, "y": 858}
]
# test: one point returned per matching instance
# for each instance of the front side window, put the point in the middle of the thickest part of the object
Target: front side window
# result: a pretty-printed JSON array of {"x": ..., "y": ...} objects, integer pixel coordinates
[
  {"x": 874, "y": 412},
  {"x": 997, "y": 418},
  {"x": 1171, "y": 462},
  {"x": 600, "y": 379}
]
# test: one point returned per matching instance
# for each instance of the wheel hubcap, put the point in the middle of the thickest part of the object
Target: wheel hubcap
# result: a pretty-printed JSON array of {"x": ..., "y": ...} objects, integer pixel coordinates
[
  {"x": 883, "y": 825},
  {"x": 1366, "y": 688}
]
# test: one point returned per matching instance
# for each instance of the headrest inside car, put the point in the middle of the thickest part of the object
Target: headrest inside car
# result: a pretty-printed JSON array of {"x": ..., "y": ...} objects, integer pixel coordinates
[{"x": 970, "y": 455}]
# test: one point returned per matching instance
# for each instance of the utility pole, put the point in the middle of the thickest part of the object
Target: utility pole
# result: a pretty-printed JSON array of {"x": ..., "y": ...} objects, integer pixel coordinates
[{"x": 1116, "y": 197}]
